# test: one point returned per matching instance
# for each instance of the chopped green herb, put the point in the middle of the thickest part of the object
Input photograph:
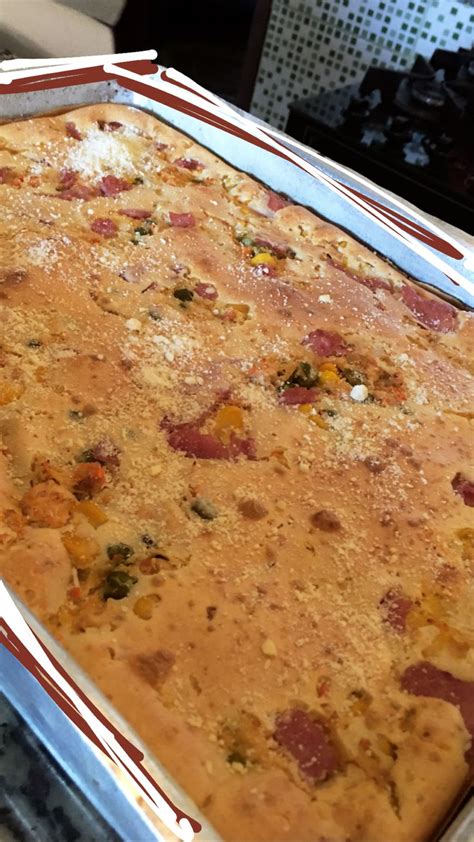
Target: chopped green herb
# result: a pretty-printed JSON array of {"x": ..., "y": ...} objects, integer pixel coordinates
[
  {"x": 303, "y": 375},
  {"x": 148, "y": 540},
  {"x": 143, "y": 230},
  {"x": 355, "y": 378},
  {"x": 76, "y": 415},
  {"x": 154, "y": 314},
  {"x": 204, "y": 508},
  {"x": 138, "y": 180},
  {"x": 34, "y": 343},
  {"x": 86, "y": 456},
  {"x": 237, "y": 757},
  {"x": 119, "y": 553},
  {"x": 245, "y": 239},
  {"x": 118, "y": 585},
  {"x": 184, "y": 294}
]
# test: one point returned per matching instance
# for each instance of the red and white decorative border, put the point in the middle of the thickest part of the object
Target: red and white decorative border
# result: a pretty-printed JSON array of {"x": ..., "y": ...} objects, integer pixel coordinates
[{"x": 174, "y": 90}]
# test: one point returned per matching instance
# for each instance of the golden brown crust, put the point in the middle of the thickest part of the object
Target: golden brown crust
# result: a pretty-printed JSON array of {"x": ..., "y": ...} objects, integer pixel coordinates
[{"x": 323, "y": 554}]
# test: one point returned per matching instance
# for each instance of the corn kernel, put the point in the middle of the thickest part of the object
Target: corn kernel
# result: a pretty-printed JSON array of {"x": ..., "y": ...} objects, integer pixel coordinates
[
  {"x": 268, "y": 648},
  {"x": 319, "y": 421},
  {"x": 94, "y": 514},
  {"x": 82, "y": 551},
  {"x": 328, "y": 378},
  {"x": 328, "y": 367},
  {"x": 264, "y": 257},
  {"x": 144, "y": 606},
  {"x": 305, "y": 408}
]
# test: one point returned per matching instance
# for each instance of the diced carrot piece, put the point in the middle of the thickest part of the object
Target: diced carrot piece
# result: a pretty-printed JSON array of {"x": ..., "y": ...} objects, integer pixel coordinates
[
  {"x": 48, "y": 504},
  {"x": 88, "y": 479}
]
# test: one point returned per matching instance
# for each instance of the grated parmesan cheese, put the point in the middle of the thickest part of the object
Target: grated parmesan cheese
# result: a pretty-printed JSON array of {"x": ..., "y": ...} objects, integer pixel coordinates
[
  {"x": 100, "y": 153},
  {"x": 42, "y": 254}
]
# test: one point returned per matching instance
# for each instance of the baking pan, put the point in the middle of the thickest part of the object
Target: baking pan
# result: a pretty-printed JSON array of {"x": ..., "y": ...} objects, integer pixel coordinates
[{"x": 96, "y": 776}]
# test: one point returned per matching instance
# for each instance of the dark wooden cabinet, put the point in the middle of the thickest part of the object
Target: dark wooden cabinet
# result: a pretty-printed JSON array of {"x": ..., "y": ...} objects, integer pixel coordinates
[{"x": 217, "y": 43}]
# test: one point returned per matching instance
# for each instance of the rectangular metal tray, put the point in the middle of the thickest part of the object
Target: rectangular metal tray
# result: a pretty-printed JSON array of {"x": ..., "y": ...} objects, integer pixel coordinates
[{"x": 95, "y": 776}]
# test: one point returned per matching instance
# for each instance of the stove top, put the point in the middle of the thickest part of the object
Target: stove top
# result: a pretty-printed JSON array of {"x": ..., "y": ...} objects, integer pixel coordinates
[
  {"x": 38, "y": 801},
  {"x": 410, "y": 132}
]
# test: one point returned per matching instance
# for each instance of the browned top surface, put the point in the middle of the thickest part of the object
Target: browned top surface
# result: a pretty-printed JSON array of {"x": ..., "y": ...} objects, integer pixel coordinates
[{"x": 276, "y": 600}]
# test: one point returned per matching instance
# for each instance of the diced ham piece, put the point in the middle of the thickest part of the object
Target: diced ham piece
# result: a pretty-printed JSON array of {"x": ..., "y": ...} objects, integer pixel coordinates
[
  {"x": 189, "y": 439},
  {"x": 110, "y": 185},
  {"x": 278, "y": 249},
  {"x": 107, "y": 454},
  {"x": 465, "y": 488},
  {"x": 276, "y": 202},
  {"x": 424, "y": 679},
  {"x": 206, "y": 291},
  {"x": 73, "y": 131},
  {"x": 296, "y": 395},
  {"x": 188, "y": 164},
  {"x": 182, "y": 220},
  {"x": 326, "y": 343},
  {"x": 78, "y": 191},
  {"x": 396, "y": 607},
  {"x": 373, "y": 283},
  {"x": 6, "y": 175},
  {"x": 109, "y": 126},
  {"x": 309, "y": 743},
  {"x": 135, "y": 213},
  {"x": 67, "y": 178},
  {"x": 432, "y": 313},
  {"x": 104, "y": 227}
]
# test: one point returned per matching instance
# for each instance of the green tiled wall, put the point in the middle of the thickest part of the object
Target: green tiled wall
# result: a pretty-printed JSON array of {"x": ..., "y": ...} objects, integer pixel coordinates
[{"x": 311, "y": 46}]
